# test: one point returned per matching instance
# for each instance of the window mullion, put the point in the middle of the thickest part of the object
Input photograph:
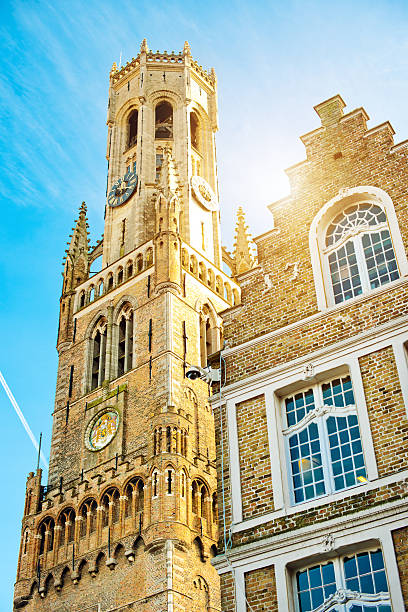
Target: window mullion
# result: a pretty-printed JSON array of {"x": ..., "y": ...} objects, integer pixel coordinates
[
  {"x": 318, "y": 394},
  {"x": 361, "y": 263}
]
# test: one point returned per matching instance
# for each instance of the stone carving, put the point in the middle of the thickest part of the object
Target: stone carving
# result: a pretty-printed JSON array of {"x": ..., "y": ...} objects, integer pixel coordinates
[
  {"x": 308, "y": 371},
  {"x": 295, "y": 273},
  {"x": 268, "y": 283},
  {"x": 329, "y": 543}
]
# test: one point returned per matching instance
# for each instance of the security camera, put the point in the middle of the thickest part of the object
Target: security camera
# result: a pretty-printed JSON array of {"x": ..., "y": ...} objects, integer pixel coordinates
[
  {"x": 208, "y": 374},
  {"x": 194, "y": 372}
]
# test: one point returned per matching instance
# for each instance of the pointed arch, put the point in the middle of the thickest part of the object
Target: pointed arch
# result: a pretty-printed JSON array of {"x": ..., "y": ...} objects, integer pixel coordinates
[
  {"x": 198, "y": 547},
  {"x": 124, "y": 338}
]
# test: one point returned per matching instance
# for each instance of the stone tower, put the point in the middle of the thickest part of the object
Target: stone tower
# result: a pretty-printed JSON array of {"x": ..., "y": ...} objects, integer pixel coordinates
[{"x": 128, "y": 518}]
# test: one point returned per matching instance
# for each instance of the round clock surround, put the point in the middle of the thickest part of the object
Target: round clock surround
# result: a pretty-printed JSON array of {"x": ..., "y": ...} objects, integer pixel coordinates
[
  {"x": 101, "y": 429},
  {"x": 123, "y": 189},
  {"x": 203, "y": 193}
]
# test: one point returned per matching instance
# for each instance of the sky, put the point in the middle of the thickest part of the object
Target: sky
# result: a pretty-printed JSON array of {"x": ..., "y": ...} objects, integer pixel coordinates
[{"x": 274, "y": 61}]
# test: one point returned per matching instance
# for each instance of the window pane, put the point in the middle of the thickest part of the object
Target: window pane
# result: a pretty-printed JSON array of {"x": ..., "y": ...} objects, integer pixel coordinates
[
  {"x": 315, "y": 585},
  {"x": 365, "y": 573},
  {"x": 338, "y": 392},
  {"x": 346, "y": 453},
  {"x": 344, "y": 273},
  {"x": 306, "y": 464},
  {"x": 380, "y": 258},
  {"x": 297, "y": 406}
]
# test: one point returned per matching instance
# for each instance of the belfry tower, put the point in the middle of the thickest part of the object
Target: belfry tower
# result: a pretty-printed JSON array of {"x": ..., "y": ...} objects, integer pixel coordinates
[{"x": 128, "y": 519}]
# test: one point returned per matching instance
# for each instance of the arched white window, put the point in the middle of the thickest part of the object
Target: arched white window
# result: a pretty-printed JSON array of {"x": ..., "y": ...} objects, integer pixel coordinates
[
  {"x": 359, "y": 249},
  {"x": 355, "y": 245}
]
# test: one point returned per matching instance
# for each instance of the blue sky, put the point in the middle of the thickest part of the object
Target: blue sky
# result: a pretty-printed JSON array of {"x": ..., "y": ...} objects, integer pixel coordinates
[{"x": 274, "y": 61}]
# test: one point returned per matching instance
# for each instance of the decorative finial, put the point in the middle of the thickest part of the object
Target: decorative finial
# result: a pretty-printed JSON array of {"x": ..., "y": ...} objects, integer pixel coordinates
[
  {"x": 243, "y": 246},
  {"x": 143, "y": 47},
  {"x": 187, "y": 49},
  {"x": 114, "y": 68}
]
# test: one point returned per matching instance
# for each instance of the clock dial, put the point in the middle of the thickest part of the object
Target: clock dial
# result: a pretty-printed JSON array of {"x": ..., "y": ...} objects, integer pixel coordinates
[
  {"x": 123, "y": 189},
  {"x": 101, "y": 430},
  {"x": 203, "y": 193}
]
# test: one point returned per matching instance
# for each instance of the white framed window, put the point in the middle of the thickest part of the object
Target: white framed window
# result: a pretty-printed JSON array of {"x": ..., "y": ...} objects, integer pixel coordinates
[
  {"x": 359, "y": 251},
  {"x": 322, "y": 437},
  {"x": 351, "y": 583},
  {"x": 355, "y": 245}
]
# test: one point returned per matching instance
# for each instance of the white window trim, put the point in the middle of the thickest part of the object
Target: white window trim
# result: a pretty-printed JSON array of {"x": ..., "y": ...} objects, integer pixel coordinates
[
  {"x": 284, "y": 557},
  {"x": 337, "y": 560},
  {"x": 278, "y": 462},
  {"x": 345, "y": 197},
  {"x": 350, "y": 365}
]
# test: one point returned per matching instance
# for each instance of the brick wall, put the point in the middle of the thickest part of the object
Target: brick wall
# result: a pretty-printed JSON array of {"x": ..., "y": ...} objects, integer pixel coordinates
[
  {"x": 255, "y": 462},
  {"x": 260, "y": 590}
]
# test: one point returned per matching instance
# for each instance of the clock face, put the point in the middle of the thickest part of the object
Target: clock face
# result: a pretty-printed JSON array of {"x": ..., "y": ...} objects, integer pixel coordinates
[
  {"x": 123, "y": 189},
  {"x": 101, "y": 430},
  {"x": 203, "y": 193}
]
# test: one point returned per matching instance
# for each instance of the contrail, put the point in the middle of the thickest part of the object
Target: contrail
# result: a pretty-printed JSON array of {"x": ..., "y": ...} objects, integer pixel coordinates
[{"x": 21, "y": 417}]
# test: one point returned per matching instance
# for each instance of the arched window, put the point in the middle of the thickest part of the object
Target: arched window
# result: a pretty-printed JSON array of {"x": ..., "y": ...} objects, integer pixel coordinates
[
  {"x": 125, "y": 342},
  {"x": 209, "y": 334},
  {"x": 194, "y": 131},
  {"x": 120, "y": 276},
  {"x": 109, "y": 283},
  {"x": 98, "y": 355},
  {"x": 355, "y": 245},
  {"x": 88, "y": 518},
  {"x": 26, "y": 541},
  {"x": 67, "y": 524},
  {"x": 199, "y": 495},
  {"x": 149, "y": 257},
  {"x": 100, "y": 288},
  {"x": 139, "y": 262},
  {"x": 359, "y": 250},
  {"x": 91, "y": 293},
  {"x": 164, "y": 120},
  {"x": 129, "y": 269},
  {"x": 132, "y": 128},
  {"x": 82, "y": 299},
  {"x": 110, "y": 507},
  {"x": 134, "y": 493},
  {"x": 46, "y": 533}
]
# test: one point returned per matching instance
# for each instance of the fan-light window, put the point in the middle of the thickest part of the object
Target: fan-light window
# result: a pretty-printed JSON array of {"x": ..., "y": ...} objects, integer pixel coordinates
[
  {"x": 323, "y": 440},
  {"x": 360, "y": 251}
]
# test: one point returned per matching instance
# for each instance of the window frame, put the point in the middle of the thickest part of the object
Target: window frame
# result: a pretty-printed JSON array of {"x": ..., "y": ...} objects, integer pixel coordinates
[
  {"x": 340, "y": 576},
  {"x": 317, "y": 234},
  {"x": 318, "y": 415}
]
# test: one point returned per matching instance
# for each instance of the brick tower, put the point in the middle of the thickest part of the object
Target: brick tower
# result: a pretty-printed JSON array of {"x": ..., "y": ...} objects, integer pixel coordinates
[{"x": 128, "y": 519}]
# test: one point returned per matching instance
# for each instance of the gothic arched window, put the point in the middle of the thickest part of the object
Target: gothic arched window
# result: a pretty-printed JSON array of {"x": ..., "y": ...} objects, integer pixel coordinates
[
  {"x": 132, "y": 128},
  {"x": 194, "y": 131},
  {"x": 125, "y": 342},
  {"x": 359, "y": 250},
  {"x": 134, "y": 494},
  {"x": 46, "y": 533},
  {"x": 98, "y": 355},
  {"x": 209, "y": 334},
  {"x": 163, "y": 120},
  {"x": 88, "y": 517},
  {"x": 67, "y": 524}
]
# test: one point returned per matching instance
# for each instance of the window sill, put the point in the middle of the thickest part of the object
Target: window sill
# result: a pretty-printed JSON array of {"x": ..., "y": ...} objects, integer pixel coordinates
[{"x": 288, "y": 510}]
